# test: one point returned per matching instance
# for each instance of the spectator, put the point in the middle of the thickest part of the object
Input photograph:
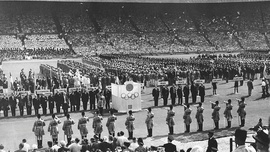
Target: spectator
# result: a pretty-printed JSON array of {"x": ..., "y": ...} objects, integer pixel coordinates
[
  {"x": 63, "y": 147},
  {"x": 104, "y": 146},
  {"x": 49, "y": 149},
  {"x": 2, "y": 148},
  {"x": 20, "y": 148},
  {"x": 26, "y": 146},
  {"x": 212, "y": 143},
  {"x": 55, "y": 146},
  {"x": 170, "y": 147},
  {"x": 240, "y": 139},
  {"x": 75, "y": 146},
  {"x": 141, "y": 148},
  {"x": 133, "y": 144},
  {"x": 121, "y": 139},
  {"x": 261, "y": 140}
]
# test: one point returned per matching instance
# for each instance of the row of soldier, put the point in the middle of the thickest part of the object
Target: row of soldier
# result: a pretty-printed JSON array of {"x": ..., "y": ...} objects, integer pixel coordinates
[
  {"x": 129, "y": 123},
  {"x": 95, "y": 98}
]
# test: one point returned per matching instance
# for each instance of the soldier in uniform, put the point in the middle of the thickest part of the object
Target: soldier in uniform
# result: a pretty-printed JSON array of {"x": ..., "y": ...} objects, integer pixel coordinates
[
  {"x": 199, "y": 117},
  {"x": 29, "y": 103},
  {"x": 111, "y": 123},
  {"x": 53, "y": 128},
  {"x": 187, "y": 118},
  {"x": 85, "y": 98},
  {"x": 173, "y": 94},
  {"x": 250, "y": 87},
  {"x": 13, "y": 104},
  {"x": 228, "y": 113},
  {"x": 180, "y": 95},
  {"x": 97, "y": 124},
  {"x": 214, "y": 85},
  {"x": 215, "y": 114},
  {"x": 241, "y": 111},
  {"x": 194, "y": 92},
  {"x": 67, "y": 128},
  {"x": 82, "y": 126},
  {"x": 108, "y": 96},
  {"x": 170, "y": 120},
  {"x": 51, "y": 103},
  {"x": 186, "y": 93},
  {"x": 72, "y": 101},
  {"x": 149, "y": 122},
  {"x": 165, "y": 95},
  {"x": 92, "y": 95},
  {"x": 38, "y": 130},
  {"x": 130, "y": 124},
  {"x": 57, "y": 101},
  {"x": 77, "y": 96},
  {"x": 155, "y": 94},
  {"x": 36, "y": 104}
]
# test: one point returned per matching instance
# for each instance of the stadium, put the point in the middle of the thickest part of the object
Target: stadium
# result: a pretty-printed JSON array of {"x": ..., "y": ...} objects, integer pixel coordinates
[{"x": 65, "y": 58}]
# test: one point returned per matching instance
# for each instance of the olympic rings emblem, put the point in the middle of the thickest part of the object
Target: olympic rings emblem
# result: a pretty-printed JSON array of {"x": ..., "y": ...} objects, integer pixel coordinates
[{"x": 129, "y": 96}]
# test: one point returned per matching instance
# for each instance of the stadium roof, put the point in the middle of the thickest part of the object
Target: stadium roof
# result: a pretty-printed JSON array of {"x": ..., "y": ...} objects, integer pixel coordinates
[{"x": 147, "y": 1}]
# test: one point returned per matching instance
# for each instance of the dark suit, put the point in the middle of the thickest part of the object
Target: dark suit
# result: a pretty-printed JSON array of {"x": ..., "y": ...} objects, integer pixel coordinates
[
  {"x": 92, "y": 95},
  {"x": 155, "y": 94},
  {"x": 43, "y": 102},
  {"x": 51, "y": 104},
  {"x": 108, "y": 96},
  {"x": 85, "y": 97},
  {"x": 36, "y": 104},
  {"x": 180, "y": 95},
  {"x": 202, "y": 92},
  {"x": 186, "y": 93},
  {"x": 165, "y": 92},
  {"x": 169, "y": 147},
  {"x": 57, "y": 102},
  {"x": 194, "y": 93},
  {"x": 77, "y": 96},
  {"x": 173, "y": 94},
  {"x": 13, "y": 103}
]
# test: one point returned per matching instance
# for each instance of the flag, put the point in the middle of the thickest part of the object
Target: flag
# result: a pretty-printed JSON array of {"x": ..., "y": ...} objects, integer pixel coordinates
[
  {"x": 11, "y": 82},
  {"x": 264, "y": 70},
  {"x": 117, "y": 80}
]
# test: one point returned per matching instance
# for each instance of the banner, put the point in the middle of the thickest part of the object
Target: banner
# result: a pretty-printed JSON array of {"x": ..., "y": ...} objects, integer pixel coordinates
[
  {"x": 74, "y": 89},
  {"x": 216, "y": 80},
  {"x": 163, "y": 83},
  {"x": 237, "y": 78},
  {"x": 126, "y": 97},
  {"x": 43, "y": 91},
  {"x": 60, "y": 90},
  {"x": 181, "y": 82},
  {"x": 93, "y": 88},
  {"x": 199, "y": 81}
]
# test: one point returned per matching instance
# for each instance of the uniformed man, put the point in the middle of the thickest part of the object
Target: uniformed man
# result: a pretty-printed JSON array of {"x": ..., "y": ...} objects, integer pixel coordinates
[
  {"x": 97, "y": 124},
  {"x": 130, "y": 124},
  {"x": 187, "y": 118},
  {"x": 194, "y": 92},
  {"x": 29, "y": 103},
  {"x": 111, "y": 123},
  {"x": 77, "y": 95},
  {"x": 180, "y": 95},
  {"x": 155, "y": 94},
  {"x": 21, "y": 104},
  {"x": 5, "y": 105},
  {"x": 13, "y": 104},
  {"x": 72, "y": 101},
  {"x": 199, "y": 117},
  {"x": 149, "y": 122},
  {"x": 165, "y": 95},
  {"x": 108, "y": 95},
  {"x": 57, "y": 101},
  {"x": 85, "y": 98},
  {"x": 214, "y": 85},
  {"x": 92, "y": 95},
  {"x": 228, "y": 113},
  {"x": 186, "y": 93},
  {"x": 236, "y": 86},
  {"x": 212, "y": 143},
  {"x": 215, "y": 114},
  {"x": 51, "y": 103},
  {"x": 64, "y": 102},
  {"x": 67, "y": 128},
  {"x": 241, "y": 111},
  {"x": 170, "y": 120},
  {"x": 82, "y": 126},
  {"x": 53, "y": 128},
  {"x": 38, "y": 130},
  {"x": 250, "y": 86}
]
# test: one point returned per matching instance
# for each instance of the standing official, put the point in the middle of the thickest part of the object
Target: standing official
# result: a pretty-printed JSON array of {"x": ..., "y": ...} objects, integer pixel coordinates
[
  {"x": 77, "y": 96},
  {"x": 194, "y": 92},
  {"x": 180, "y": 94},
  {"x": 202, "y": 92},
  {"x": 82, "y": 126},
  {"x": 228, "y": 113},
  {"x": 111, "y": 123},
  {"x": 173, "y": 94},
  {"x": 155, "y": 94},
  {"x": 72, "y": 101},
  {"x": 51, "y": 103},
  {"x": 199, "y": 117},
  {"x": 92, "y": 95},
  {"x": 43, "y": 102},
  {"x": 149, "y": 122},
  {"x": 236, "y": 86},
  {"x": 57, "y": 101},
  {"x": 250, "y": 87},
  {"x": 108, "y": 96},
  {"x": 67, "y": 128},
  {"x": 215, "y": 114},
  {"x": 38, "y": 130},
  {"x": 29, "y": 103},
  {"x": 170, "y": 120},
  {"x": 187, "y": 118},
  {"x": 165, "y": 95},
  {"x": 130, "y": 124},
  {"x": 214, "y": 85},
  {"x": 186, "y": 93},
  {"x": 85, "y": 98},
  {"x": 97, "y": 124},
  {"x": 21, "y": 104},
  {"x": 13, "y": 104},
  {"x": 241, "y": 111},
  {"x": 53, "y": 128},
  {"x": 5, "y": 105},
  {"x": 36, "y": 104}
]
